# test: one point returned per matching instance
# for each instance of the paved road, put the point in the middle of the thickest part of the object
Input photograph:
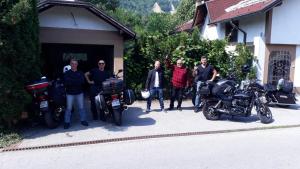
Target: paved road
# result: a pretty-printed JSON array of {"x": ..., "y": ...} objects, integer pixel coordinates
[
  {"x": 137, "y": 123},
  {"x": 268, "y": 149}
]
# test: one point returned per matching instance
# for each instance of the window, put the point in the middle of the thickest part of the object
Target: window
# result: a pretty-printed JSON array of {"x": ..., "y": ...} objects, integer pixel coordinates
[
  {"x": 279, "y": 66},
  {"x": 231, "y": 32}
]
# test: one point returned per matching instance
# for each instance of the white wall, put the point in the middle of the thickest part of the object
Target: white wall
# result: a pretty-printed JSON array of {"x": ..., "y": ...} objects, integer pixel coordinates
[
  {"x": 211, "y": 32},
  {"x": 254, "y": 26},
  {"x": 285, "y": 23},
  {"x": 297, "y": 68},
  {"x": 61, "y": 17},
  {"x": 259, "y": 53}
]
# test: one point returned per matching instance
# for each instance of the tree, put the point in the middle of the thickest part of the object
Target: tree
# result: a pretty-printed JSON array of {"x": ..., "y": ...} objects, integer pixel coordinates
[
  {"x": 19, "y": 55},
  {"x": 106, "y": 5},
  {"x": 185, "y": 11}
]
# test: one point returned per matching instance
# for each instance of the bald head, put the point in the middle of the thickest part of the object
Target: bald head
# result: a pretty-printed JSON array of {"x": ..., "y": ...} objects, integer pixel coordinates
[{"x": 157, "y": 64}]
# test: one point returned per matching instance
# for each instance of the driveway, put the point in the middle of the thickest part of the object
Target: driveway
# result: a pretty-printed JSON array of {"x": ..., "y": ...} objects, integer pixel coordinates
[{"x": 138, "y": 123}]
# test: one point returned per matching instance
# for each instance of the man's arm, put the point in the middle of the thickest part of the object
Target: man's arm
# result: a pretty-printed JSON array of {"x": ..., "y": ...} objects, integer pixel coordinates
[
  {"x": 87, "y": 77},
  {"x": 148, "y": 79},
  {"x": 168, "y": 64},
  {"x": 214, "y": 74}
]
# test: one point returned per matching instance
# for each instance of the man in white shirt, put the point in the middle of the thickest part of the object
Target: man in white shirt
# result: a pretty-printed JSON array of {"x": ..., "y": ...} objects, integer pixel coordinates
[{"x": 154, "y": 84}]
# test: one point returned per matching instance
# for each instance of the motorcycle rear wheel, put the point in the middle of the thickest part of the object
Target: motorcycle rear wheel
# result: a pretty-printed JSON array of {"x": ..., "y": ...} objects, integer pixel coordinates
[
  {"x": 209, "y": 112},
  {"x": 117, "y": 116},
  {"x": 50, "y": 120}
]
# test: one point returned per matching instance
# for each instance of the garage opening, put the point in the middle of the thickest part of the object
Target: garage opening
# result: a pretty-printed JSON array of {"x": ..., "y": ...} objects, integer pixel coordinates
[{"x": 56, "y": 56}]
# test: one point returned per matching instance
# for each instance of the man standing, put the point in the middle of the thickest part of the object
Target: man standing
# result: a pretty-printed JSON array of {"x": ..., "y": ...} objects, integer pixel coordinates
[
  {"x": 179, "y": 82},
  {"x": 154, "y": 84},
  {"x": 203, "y": 73},
  {"x": 74, "y": 81},
  {"x": 95, "y": 77}
]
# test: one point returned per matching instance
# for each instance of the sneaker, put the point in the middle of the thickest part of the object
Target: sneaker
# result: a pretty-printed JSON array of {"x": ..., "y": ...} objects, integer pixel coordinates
[
  {"x": 148, "y": 110},
  {"x": 179, "y": 108},
  {"x": 171, "y": 108},
  {"x": 197, "y": 109},
  {"x": 84, "y": 123},
  {"x": 163, "y": 110},
  {"x": 66, "y": 125}
]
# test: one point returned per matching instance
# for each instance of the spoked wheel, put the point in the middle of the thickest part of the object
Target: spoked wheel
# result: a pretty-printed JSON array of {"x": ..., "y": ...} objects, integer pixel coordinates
[
  {"x": 50, "y": 119},
  {"x": 264, "y": 114},
  {"x": 209, "y": 111}
]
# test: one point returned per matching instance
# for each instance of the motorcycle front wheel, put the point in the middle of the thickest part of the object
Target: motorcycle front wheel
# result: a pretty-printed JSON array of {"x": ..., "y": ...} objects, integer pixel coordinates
[
  {"x": 264, "y": 114},
  {"x": 117, "y": 116},
  {"x": 209, "y": 111}
]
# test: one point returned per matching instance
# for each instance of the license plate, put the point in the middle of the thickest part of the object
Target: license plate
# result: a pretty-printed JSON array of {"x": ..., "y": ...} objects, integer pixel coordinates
[
  {"x": 44, "y": 104},
  {"x": 115, "y": 103}
]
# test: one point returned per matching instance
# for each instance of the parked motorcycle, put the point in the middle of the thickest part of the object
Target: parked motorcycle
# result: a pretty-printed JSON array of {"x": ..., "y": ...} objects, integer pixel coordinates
[
  {"x": 113, "y": 98},
  {"x": 282, "y": 95},
  {"x": 48, "y": 100},
  {"x": 224, "y": 97}
]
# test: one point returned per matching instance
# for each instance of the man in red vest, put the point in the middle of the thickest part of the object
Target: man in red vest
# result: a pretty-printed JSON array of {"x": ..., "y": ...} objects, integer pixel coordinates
[{"x": 179, "y": 81}]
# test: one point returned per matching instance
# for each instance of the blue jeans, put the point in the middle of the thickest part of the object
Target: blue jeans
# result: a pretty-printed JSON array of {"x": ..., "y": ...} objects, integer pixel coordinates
[
  {"x": 80, "y": 102},
  {"x": 154, "y": 91},
  {"x": 198, "y": 99}
]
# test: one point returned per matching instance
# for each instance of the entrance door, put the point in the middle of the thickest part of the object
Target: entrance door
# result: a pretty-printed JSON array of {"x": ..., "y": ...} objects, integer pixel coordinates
[{"x": 56, "y": 56}]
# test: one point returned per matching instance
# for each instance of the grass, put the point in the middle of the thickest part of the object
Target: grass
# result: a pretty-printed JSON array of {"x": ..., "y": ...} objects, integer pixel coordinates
[{"x": 8, "y": 138}]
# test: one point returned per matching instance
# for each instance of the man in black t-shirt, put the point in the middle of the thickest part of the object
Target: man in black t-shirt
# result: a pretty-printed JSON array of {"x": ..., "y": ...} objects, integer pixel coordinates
[
  {"x": 204, "y": 72},
  {"x": 95, "y": 77}
]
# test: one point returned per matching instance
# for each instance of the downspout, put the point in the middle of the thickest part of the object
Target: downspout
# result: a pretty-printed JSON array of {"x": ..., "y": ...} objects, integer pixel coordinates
[{"x": 236, "y": 27}]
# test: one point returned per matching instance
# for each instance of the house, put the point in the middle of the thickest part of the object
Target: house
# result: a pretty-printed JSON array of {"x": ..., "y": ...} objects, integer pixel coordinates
[
  {"x": 268, "y": 27},
  {"x": 77, "y": 29}
]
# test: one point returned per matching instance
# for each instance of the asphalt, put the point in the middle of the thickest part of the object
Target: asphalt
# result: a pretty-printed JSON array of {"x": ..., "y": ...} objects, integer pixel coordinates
[{"x": 138, "y": 123}]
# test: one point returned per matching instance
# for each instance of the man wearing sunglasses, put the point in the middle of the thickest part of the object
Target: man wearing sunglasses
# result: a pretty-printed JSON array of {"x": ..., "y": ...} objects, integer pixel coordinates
[{"x": 95, "y": 77}]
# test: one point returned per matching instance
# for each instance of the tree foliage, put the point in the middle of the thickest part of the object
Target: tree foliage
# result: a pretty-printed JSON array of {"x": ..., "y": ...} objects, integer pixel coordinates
[
  {"x": 19, "y": 54},
  {"x": 185, "y": 11}
]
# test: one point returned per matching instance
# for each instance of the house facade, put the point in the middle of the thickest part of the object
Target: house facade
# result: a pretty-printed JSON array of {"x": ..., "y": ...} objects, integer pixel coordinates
[
  {"x": 76, "y": 29},
  {"x": 268, "y": 27}
]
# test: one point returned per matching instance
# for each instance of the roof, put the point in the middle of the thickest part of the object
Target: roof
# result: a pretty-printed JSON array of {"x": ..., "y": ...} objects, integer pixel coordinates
[
  {"x": 187, "y": 26},
  {"x": 125, "y": 31},
  {"x": 224, "y": 10}
]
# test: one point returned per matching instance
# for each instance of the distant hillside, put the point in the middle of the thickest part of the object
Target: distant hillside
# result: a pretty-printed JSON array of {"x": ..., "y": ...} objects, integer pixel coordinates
[{"x": 145, "y": 6}]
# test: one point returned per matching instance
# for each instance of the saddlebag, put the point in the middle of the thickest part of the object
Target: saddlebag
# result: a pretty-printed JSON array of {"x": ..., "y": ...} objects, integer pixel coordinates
[
  {"x": 285, "y": 98},
  {"x": 129, "y": 96},
  {"x": 112, "y": 86}
]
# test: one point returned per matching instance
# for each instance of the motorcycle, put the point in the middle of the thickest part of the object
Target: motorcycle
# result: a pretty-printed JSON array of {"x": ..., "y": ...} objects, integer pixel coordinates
[
  {"x": 282, "y": 95},
  {"x": 48, "y": 100},
  {"x": 224, "y": 97},
  {"x": 113, "y": 98}
]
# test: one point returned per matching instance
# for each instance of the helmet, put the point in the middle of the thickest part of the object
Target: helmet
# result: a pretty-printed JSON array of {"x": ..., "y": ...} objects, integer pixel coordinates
[
  {"x": 145, "y": 94},
  {"x": 245, "y": 68},
  {"x": 66, "y": 68}
]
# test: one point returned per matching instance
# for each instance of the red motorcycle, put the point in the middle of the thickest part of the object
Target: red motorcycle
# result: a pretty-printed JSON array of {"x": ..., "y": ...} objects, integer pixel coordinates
[{"x": 48, "y": 101}]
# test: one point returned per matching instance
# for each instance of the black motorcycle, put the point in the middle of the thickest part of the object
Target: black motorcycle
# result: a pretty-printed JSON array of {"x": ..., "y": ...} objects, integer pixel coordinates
[
  {"x": 48, "y": 100},
  {"x": 282, "y": 95},
  {"x": 224, "y": 97},
  {"x": 113, "y": 98}
]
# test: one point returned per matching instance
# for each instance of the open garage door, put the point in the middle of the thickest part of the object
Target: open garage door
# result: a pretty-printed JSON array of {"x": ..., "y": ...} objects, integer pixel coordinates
[{"x": 56, "y": 56}]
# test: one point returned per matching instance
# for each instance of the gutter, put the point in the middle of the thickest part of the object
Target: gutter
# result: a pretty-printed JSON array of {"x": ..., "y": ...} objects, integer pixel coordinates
[{"x": 238, "y": 28}]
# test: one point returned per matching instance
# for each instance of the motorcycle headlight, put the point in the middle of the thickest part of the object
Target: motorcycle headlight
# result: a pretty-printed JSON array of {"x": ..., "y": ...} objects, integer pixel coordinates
[{"x": 263, "y": 99}]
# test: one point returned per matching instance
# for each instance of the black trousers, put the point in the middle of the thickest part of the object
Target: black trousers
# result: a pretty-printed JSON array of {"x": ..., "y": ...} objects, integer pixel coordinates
[{"x": 176, "y": 94}]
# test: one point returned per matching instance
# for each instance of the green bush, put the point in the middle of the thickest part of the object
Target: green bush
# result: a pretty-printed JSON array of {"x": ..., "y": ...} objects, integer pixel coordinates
[{"x": 19, "y": 52}]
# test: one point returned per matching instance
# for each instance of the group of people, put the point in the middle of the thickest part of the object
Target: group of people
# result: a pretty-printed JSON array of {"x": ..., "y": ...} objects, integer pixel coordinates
[
  {"x": 181, "y": 79},
  {"x": 74, "y": 81}
]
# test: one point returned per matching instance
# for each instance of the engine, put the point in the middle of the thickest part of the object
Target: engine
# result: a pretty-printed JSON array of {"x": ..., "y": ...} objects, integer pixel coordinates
[{"x": 240, "y": 106}]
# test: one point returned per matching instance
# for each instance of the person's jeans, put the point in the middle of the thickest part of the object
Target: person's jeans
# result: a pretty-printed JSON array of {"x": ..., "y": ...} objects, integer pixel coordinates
[
  {"x": 80, "y": 102},
  {"x": 176, "y": 94},
  {"x": 198, "y": 98},
  {"x": 154, "y": 91}
]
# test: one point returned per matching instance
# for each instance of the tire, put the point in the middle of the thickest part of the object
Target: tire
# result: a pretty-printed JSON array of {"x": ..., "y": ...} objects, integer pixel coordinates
[
  {"x": 264, "y": 114},
  {"x": 50, "y": 121},
  {"x": 209, "y": 112},
  {"x": 117, "y": 116},
  {"x": 282, "y": 106}
]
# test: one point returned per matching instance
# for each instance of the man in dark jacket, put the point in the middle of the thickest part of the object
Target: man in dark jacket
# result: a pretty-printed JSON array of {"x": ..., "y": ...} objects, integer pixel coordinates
[
  {"x": 204, "y": 72},
  {"x": 179, "y": 81},
  {"x": 154, "y": 84},
  {"x": 74, "y": 81},
  {"x": 95, "y": 77}
]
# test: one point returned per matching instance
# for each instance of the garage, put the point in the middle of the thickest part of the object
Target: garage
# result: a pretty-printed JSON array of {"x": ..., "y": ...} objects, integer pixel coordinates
[{"x": 75, "y": 29}]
